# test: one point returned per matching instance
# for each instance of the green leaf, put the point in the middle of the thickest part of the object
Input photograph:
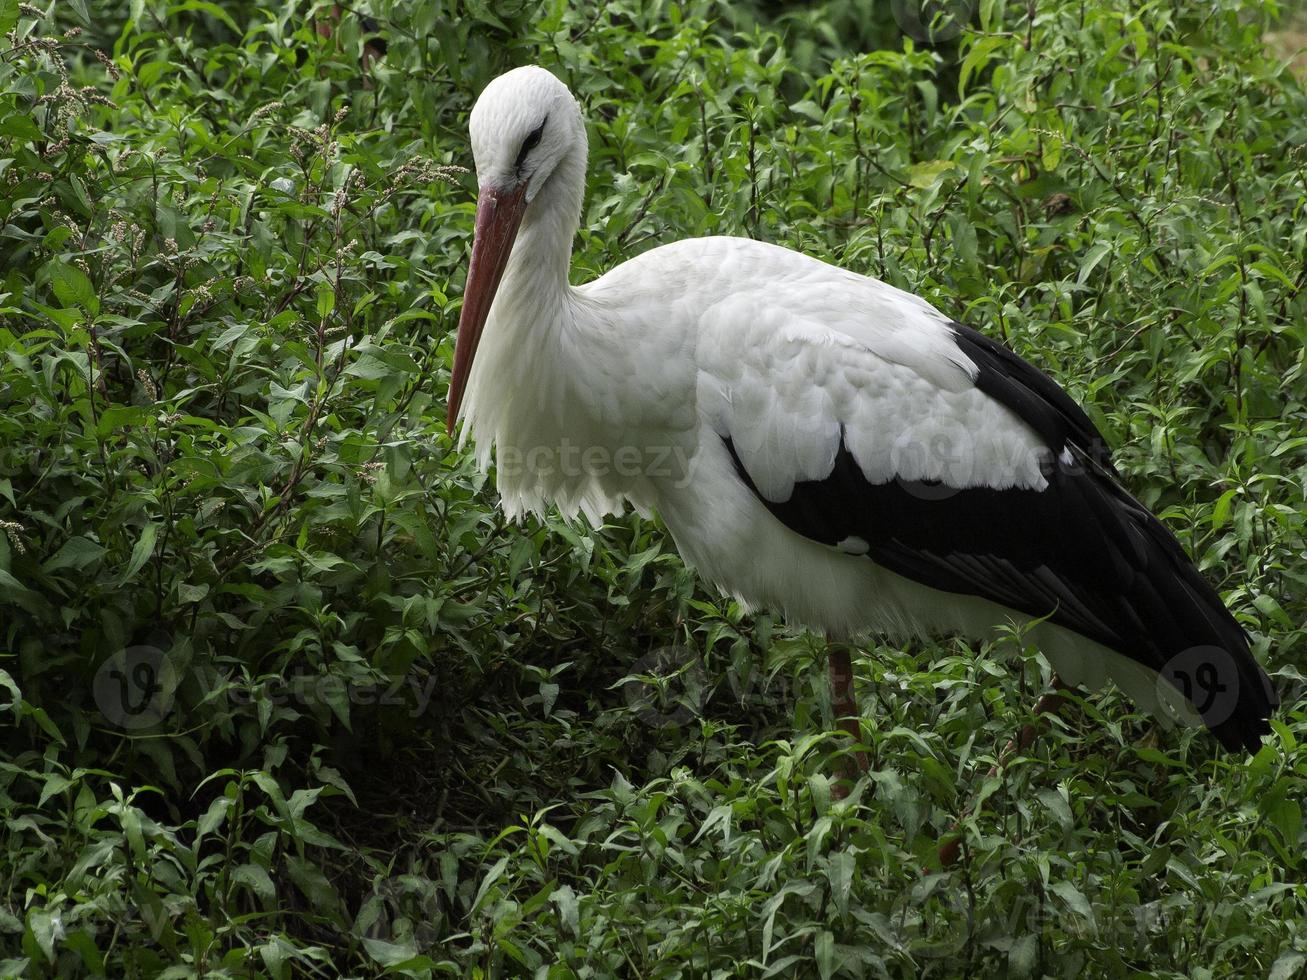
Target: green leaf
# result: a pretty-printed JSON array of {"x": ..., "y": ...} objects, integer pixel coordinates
[
  {"x": 141, "y": 552},
  {"x": 565, "y": 898},
  {"x": 203, "y": 6},
  {"x": 1221, "y": 512},
  {"x": 76, "y": 553},
  {"x": 20, "y": 127},
  {"x": 326, "y": 301},
  {"x": 389, "y": 954},
  {"x": 54, "y": 783},
  {"x": 188, "y": 593},
  {"x": 824, "y": 954},
  {"x": 8, "y": 684},
  {"x": 488, "y": 881},
  {"x": 840, "y": 870},
  {"x": 1287, "y": 965},
  {"x": 45, "y": 928},
  {"x": 1286, "y": 817},
  {"x": 1097, "y": 252},
  {"x": 548, "y": 696},
  {"x": 230, "y": 335},
  {"x": 976, "y": 58},
  {"x": 482, "y": 12},
  {"x": 257, "y": 880},
  {"x": 1074, "y": 898},
  {"x": 310, "y": 880},
  {"x": 72, "y": 287},
  {"x": 1268, "y": 606},
  {"x": 925, "y": 174},
  {"x": 14, "y": 591},
  {"x": 719, "y": 816},
  {"x": 214, "y": 816},
  {"x": 1023, "y": 956}
]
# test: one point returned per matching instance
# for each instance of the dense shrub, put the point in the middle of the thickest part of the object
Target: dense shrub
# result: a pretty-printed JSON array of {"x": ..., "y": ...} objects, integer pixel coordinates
[{"x": 285, "y": 695}]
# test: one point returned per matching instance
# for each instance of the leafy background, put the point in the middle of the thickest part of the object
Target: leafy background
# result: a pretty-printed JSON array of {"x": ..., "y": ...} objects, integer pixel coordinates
[{"x": 284, "y": 695}]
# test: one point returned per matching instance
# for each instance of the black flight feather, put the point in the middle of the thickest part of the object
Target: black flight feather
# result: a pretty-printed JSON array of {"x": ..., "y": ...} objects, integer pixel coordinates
[{"x": 1082, "y": 551}]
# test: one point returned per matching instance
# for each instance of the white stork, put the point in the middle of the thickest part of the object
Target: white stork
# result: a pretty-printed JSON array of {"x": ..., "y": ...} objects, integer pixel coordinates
[{"x": 816, "y": 441}]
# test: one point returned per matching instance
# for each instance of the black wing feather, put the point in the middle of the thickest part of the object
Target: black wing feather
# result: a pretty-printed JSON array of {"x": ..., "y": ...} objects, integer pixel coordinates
[
  {"x": 1082, "y": 552},
  {"x": 1032, "y": 395}
]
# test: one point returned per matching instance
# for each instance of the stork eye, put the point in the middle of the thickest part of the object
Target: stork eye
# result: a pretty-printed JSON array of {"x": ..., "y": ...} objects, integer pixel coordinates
[{"x": 532, "y": 140}]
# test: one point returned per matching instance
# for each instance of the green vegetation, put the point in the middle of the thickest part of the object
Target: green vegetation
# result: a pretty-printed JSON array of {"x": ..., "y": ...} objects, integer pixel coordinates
[{"x": 282, "y": 693}]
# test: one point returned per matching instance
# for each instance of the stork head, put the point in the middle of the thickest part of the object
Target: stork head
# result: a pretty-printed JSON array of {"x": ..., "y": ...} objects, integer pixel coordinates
[{"x": 523, "y": 125}]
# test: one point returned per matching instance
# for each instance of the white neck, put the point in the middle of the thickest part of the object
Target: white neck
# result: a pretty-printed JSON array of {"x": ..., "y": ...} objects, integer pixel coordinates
[
  {"x": 529, "y": 393},
  {"x": 542, "y": 254}
]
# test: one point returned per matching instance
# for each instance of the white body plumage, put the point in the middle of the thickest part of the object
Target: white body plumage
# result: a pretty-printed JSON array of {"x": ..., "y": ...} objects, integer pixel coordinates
[
  {"x": 722, "y": 382},
  {"x": 621, "y": 392}
]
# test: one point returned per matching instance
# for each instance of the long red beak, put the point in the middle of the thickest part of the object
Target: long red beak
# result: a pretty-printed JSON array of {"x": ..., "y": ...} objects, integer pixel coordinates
[{"x": 499, "y": 213}]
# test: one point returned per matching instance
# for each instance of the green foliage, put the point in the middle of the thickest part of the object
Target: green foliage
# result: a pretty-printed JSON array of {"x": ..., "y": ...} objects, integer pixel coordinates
[{"x": 284, "y": 695}]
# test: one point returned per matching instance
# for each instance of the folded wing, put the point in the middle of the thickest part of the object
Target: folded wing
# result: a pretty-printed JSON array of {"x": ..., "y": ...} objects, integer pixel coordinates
[{"x": 945, "y": 458}]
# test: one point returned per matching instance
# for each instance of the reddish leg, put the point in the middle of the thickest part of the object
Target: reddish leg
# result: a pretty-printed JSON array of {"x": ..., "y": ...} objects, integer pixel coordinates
[
  {"x": 1050, "y": 704},
  {"x": 844, "y": 707}
]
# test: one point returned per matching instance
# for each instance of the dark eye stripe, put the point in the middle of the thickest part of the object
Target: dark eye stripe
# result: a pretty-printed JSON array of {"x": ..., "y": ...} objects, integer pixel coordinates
[{"x": 532, "y": 140}]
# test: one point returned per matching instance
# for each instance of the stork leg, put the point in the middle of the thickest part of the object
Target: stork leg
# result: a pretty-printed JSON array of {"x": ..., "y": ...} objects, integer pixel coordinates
[
  {"x": 844, "y": 708},
  {"x": 1049, "y": 704}
]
